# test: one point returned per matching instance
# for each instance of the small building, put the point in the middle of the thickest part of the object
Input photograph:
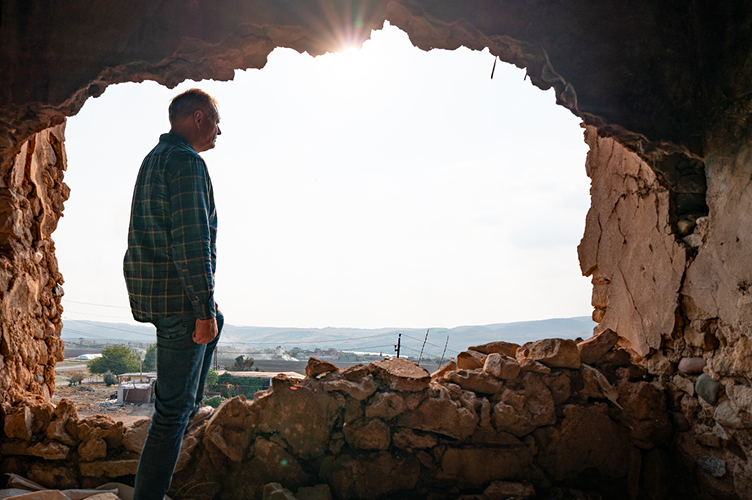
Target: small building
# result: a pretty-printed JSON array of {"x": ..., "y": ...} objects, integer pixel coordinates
[
  {"x": 136, "y": 388},
  {"x": 88, "y": 357}
]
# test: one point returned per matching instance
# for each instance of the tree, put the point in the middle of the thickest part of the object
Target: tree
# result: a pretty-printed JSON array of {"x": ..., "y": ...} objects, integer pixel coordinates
[
  {"x": 150, "y": 358},
  {"x": 76, "y": 377},
  {"x": 116, "y": 359},
  {"x": 242, "y": 364},
  {"x": 109, "y": 379}
]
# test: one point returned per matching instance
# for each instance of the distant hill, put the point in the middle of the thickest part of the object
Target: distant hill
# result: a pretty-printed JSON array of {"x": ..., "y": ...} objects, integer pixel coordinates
[{"x": 355, "y": 339}]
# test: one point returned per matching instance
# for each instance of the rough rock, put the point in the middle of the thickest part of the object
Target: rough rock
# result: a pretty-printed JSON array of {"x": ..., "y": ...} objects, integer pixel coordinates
[
  {"x": 92, "y": 449},
  {"x": 476, "y": 381},
  {"x": 18, "y": 423},
  {"x": 500, "y": 347},
  {"x": 714, "y": 466},
  {"x": 275, "y": 491},
  {"x": 64, "y": 413},
  {"x": 49, "y": 450},
  {"x": 54, "y": 475},
  {"x": 586, "y": 438},
  {"x": 270, "y": 463},
  {"x": 729, "y": 416},
  {"x": 318, "y": 366},
  {"x": 386, "y": 406},
  {"x": 475, "y": 467},
  {"x": 692, "y": 366},
  {"x": 440, "y": 415},
  {"x": 368, "y": 434},
  {"x": 109, "y": 468},
  {"x": 708, "y": 389},
  {"x": 593, "y": 349},
  {"x": 408, "y": 439},
  {"x": 358, "y": 389},
  {"x": 135, "y": 435},
  {"x": 684, "y": 384},
  {"x": 645, "y": 411},
  {"x": 529, "y": 365},
  {"x": 741, "y": 396},
  {"x": 308, "y": 421},
  {"x": 372, "y": 476},
  {"x": 444, "y": 370},
  {"x": 400, "y": 374},
  {"x": 554, "y": 353},
  {"x": 505, "y": 490},
  {"x": 502, "y": 366},
  {"x": 470, "y": 360},
  {"x": 230, "y": 428},
  {"x": 318, "y": 492},
  {"x": 520, "y": 413}
]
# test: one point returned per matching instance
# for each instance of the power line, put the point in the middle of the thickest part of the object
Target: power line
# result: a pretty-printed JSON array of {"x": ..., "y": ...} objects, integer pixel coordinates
[
  {"x": 93, "y": 304},
  {"x": 111, "y": 327}
]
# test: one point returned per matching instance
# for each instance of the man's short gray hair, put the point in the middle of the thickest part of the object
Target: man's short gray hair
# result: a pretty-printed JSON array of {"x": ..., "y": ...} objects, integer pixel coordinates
[{"x": 189, "y": 101}]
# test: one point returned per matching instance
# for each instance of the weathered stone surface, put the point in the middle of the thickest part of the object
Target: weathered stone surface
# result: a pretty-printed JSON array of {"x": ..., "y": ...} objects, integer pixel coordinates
[
  {"x": 470, "y": 360},
  {"x": 92, "y": 449},
  {"x": 64, "y": 413},
  {"x": 444, "y": 370},
  {"x": 691, "y": 366},
  {"x": 684, "y": 384},
  {"x": 593, "y": 349},
  {"x": 440, "y": 415},
  {"x": 408, "y": 439},
  {"x": 500, "y": 347},
  {"x": 520, "y": 413},
  {"x": 135, "y": 435},
  {"x": 735, "y": 358},
  {"x": 271, "y": 461},
  {"x": 50, "y": 450},
  {"x": 386, "y": 406},
  {"x": 109, "y": 468},
  {"x": 318, "y": 366},
  {"x": 469, "y": 466},
  {"x": 355, "y": 372},
  {"x": 275, "y": 491},
  {"x": 18, "y": 423},
  {"x": 230, "y": 428},
  {"x": 308, "y": 421},
  {"x": 555, "y": 353},
  {"x": 372, "y": 476},
  {"x": 628, "y": 226},
  {"x": 714, "y": 466},
  {"x": 358, "y": 389},
  {"x": 400, "y": 374},
  {"x": 645, "y": 411},
  {"x": 476, "y": 381},
  {"x": 729, "y": 416},
  {"x": 97, "y": 427},
  {"x": 368, "y": 434},
  {"x": 506, "y": 490},
  {"x": 502, "y": 366},
  {"x": 529, "y": 365},
  {"x": 54, "y": 475},
  {"x": 318, "y": 492},
  {"x": 741, "y": 396},
  {"x": 586, "y": 438},
  {"x": 708, "y": 389}
]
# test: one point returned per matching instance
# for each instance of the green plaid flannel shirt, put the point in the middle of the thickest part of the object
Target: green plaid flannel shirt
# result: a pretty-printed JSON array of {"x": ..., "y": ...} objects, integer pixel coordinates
[{"x": 171, "y": 259}]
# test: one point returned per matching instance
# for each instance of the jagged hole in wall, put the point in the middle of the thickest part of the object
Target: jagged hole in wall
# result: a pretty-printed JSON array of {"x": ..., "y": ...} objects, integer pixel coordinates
[{"x": 384, "y": 186}]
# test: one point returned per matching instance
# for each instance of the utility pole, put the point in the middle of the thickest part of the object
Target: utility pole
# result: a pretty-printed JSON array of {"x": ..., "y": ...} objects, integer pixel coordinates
[
  {"x": 442, "y": 354},
  {"x": 399, "y": 345},
  {"x": 424, "y": 346}
]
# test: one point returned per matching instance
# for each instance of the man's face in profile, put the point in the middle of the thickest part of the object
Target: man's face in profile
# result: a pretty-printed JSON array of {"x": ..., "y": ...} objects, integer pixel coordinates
[{"x": 208, "y": 131}]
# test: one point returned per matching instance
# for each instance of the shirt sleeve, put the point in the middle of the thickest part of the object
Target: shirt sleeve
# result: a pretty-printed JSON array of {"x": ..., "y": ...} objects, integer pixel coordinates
[{"x": 189, "y": 191}]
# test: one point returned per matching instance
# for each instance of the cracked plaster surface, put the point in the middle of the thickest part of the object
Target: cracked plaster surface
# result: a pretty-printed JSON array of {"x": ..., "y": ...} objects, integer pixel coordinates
[{"x": 628, "y": 248}]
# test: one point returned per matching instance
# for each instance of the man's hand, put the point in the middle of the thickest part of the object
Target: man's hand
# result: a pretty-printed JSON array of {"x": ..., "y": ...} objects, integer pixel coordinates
[{"x": 206, "y": 330}]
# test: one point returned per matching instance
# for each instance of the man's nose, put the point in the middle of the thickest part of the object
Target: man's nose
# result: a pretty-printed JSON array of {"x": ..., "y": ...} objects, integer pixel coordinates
[{"x": 219, "y": 132}]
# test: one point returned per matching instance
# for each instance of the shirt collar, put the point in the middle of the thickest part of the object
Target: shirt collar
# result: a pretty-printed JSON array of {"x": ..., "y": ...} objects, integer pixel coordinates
[{"x": 174, "y": 139}]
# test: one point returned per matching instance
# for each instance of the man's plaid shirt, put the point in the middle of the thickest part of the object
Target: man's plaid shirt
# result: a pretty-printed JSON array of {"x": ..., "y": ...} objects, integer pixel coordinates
[{"x": 171, "y": 259}]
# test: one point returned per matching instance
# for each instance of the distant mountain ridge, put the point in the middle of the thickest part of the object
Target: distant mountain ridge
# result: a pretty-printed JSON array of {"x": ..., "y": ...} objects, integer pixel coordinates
[{"x": 355, "y": 339}]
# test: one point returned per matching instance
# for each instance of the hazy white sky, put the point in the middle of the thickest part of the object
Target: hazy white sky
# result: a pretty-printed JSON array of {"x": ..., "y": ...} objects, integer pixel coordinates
[{"x": 381, "y": 187}]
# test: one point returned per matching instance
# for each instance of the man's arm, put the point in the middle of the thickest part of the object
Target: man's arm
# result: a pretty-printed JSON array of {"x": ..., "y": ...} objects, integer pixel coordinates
[{"x": 191, "y": 241}]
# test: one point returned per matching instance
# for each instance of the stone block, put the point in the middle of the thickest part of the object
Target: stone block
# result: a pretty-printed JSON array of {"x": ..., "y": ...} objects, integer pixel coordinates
[
  {"x": 594, "y": 348},
  {"x": 501, "y": 366},
  {"x": 554, "y": 353},
  {"x": 317, "y": 367},
  {"x": 470, "y": 360},
  {"x": 400, "y": 374},
  {"x": 500, "y": 347}
]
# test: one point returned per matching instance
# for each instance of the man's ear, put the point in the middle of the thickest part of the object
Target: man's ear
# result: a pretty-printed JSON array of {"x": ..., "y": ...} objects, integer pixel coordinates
[{"x": 198, "y": 115}]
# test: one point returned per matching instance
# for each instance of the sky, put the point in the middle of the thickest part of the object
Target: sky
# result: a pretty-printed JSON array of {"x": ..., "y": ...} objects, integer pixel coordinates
[{"x": 379, "y": 187}]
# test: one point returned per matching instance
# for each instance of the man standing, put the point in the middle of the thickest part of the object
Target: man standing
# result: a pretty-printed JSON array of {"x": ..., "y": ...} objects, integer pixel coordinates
[{"x": 169, "y": 271}]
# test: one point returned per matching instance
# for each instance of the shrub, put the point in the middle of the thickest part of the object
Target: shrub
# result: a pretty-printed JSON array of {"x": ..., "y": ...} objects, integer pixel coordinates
[
  {"x": 211, "y": 380},
  {"x": 215, "y": 401},
  {"x": 116, "y": 359},
  {"x": 109, "y": 378},
  {"x": 150, "y": 358},
  {"x": 76, "y": 377}
]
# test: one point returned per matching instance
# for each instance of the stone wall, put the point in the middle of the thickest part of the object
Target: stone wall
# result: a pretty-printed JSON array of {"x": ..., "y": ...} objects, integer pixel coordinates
[
  {"x": 550, "y": 419},
  {"x": 32, "y": 193},
  {"x": 671, "y": 275}
]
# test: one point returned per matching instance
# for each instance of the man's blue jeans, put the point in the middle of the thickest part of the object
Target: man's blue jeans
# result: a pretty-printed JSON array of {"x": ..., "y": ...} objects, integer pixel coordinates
[{"x": 182, "y": 366}]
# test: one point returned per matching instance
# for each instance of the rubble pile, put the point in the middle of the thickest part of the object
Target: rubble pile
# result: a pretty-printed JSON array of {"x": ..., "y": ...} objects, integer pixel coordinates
[{"x": 552, "y": 417}]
